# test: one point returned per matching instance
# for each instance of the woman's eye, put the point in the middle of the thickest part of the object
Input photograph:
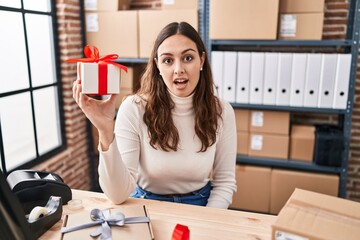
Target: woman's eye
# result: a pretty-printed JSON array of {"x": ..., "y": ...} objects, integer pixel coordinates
[
  {"x": 188, "y": 58},
  {"x": 167, "y": 61}
]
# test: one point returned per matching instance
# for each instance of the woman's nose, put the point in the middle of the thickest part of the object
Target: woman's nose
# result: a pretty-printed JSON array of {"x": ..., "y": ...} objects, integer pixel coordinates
[{"x": 179, "y": 69}]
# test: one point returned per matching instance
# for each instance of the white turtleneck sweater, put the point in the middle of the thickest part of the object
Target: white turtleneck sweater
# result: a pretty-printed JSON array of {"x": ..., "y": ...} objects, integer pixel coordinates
[{"x": 131, "y": 160}]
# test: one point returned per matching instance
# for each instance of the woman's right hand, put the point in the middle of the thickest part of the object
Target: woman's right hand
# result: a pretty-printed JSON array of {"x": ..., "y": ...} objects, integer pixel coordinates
[{"x": 99, "y": 112}]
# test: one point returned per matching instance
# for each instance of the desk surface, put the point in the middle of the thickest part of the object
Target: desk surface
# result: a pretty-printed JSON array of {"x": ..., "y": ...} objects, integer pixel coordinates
[{"x": 203, "y": 222}]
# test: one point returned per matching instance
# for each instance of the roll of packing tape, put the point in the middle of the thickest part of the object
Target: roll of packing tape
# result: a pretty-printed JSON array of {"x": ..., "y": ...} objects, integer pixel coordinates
[
  {"x": 75, "y": 204},
  {"x": 37, "y": 212}
]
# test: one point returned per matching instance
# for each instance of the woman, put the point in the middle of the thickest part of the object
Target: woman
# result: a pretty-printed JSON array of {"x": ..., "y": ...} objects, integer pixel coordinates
[{"x": 174, "y": 140}]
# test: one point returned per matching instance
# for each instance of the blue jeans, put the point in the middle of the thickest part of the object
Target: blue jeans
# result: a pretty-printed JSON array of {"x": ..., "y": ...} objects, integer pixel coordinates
[{"x": 199, "y": 197}]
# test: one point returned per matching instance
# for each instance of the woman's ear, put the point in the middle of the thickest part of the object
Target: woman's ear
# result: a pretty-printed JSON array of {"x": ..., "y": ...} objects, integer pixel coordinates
[
  {"x": 156, "y": 62},
  {"x": 203, "y": 57}
]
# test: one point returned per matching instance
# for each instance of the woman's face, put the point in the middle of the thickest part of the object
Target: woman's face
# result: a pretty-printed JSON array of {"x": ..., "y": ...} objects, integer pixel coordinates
[{"x": 179, "y": 63}]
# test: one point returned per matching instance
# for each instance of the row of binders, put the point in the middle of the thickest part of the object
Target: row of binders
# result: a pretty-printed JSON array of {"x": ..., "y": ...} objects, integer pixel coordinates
[{"x": 316, "y": 80}]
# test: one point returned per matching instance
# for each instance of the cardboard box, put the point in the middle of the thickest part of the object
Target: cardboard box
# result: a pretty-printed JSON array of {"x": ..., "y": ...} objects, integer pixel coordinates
[
  {"x": 180, "y": 4},
  {"x": 301, "y": 26},
  {"x": 113, "y": 32},
  {"x": 124, "y": 92},
  {"x": 302, "y": 142},
  {"x": 315, "y": 216},
  {"x": 131, "y": 79},
  {"x": 100, "y": 79},
  {"x": 284, "y": 182},
  {"x": 268, "y": 145},
  {"x": 242, "y": 143},
  {"x": 253, "y": 189},
  {"x": 273, "y": 122},
  {"x": 101, "y": 5},
  {"x": 145, "y": 4},
  {"x": 302, "y": 6},
  {"x": 242, "y": 117},
  {"x": 152, "y": 21},
  {"x": 254, "y": 19},
  {"x": 133, "y": 231}
]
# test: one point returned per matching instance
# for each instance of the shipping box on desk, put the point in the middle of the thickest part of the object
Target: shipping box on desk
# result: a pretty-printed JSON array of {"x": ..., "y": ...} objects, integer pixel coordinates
[
  {"x": 133, "y": 231},
  {"x": 314, "y": 216}
]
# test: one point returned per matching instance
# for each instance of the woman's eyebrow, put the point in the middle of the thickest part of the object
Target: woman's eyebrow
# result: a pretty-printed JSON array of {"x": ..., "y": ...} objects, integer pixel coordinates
[{"x": 184, "y": 51}]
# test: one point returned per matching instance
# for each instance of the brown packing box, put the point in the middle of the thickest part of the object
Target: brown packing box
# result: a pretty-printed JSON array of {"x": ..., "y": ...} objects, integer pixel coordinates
[
  {"x": 124, "y": 92},
  {"x": 242, "y": 143},
  {"x": 243, "y": 19},
  {"x": 102, "y": 5},
  {"x": 315, "y": 216},
  {"x": 284, "y": 182},
  {"x": 242, "y": 119},
  {"x": 152, "y": 21},
  {"x": 133, "y": 231},
  {"x": 253, "y": 189},
  {"x": 131, "y": 79},
  {"x": 180, "y": 4},
  {"x": 301, "y": 6},
  {"x": 302, "y": 142},
  {"x": 268, "y": 145},
  {"x": 269, "y": 122},
  {"x": 113, "y": 32},
  {"x": 301, "y": 26}
]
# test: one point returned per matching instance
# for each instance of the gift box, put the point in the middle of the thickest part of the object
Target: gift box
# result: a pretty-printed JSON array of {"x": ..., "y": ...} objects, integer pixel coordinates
[
  {"x": 98, "y": 75},
  {"x": 99, "y": 78},
  {"x": 132, "y": 229}
]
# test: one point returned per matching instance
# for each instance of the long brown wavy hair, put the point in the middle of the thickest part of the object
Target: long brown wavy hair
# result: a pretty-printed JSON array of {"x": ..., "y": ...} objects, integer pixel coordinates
[{"x": 158, "y": 118}]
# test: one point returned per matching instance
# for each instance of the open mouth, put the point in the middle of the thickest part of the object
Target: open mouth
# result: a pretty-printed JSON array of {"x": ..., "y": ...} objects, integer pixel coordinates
[{"x": 181, "y": 81}]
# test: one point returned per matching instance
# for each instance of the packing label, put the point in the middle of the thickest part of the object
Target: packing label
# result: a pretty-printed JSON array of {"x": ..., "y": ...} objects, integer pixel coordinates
[
  {"x": 288, "y": 25},
  {"x": 92, "y": 22},
  {"x": 257, "y": 119},
  {"x": 280, "y": 235},
  {"x": 256, "y": 142},
  {"x": 169, "y": 2},
  {"x": 90, "y": 4}
]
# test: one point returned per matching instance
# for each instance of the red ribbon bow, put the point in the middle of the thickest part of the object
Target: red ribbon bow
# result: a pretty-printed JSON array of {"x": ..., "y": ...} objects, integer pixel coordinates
[
  {"x": 181, "y": 232},
  {"x": 92, "y": 56}
]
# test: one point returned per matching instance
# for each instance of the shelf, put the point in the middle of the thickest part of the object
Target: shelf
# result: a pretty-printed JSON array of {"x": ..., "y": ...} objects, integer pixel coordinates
[
  {"x": 282, "y": 43},
  {"x": 131, "y": 60},
  {"x": 287, "y": 164},
  {"x": 289, "y": 108}
]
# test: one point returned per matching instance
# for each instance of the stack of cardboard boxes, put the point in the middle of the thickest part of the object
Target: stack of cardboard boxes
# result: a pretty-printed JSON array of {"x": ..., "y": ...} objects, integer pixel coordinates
[
  {"x": 266, "y": 134},
  {"x": 131, "y": 33},
  {"x": 269, "y": 134}
]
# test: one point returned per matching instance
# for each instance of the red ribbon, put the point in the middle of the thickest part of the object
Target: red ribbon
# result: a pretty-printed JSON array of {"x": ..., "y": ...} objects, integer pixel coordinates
[
  {"x": 181, "y": 232},
  {"x": 92, "y": 56}
]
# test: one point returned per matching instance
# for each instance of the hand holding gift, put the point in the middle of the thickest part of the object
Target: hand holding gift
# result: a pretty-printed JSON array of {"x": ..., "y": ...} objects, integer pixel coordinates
[{"x": 98, "y": 76}]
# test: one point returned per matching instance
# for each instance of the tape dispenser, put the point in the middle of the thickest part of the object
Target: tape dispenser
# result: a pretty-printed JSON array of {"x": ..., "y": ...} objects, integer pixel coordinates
[
  {"x": 19, "y": 224},
  {"x": 34, "y": 188}
]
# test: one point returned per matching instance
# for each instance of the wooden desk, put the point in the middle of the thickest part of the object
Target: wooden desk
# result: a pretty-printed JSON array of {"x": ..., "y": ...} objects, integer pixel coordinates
[{"x": 204, "y": 223}]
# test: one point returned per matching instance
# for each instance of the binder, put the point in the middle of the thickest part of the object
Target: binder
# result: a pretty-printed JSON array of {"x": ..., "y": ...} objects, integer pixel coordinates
[
  {"x": 256, "y": 77},
  {"x": 342, "y": 80},
  {"x": 270, "y": 78},
  {"x": 243, "y": 77},
  {"x": 298, "y": 74},
  {"x": 217, "y": 65},
  {"x": 312, "y": 79},
  {"x": 327, "y": 80},
  {"x": 284, "y": 79},
  {"x": 229, "y": 76}
]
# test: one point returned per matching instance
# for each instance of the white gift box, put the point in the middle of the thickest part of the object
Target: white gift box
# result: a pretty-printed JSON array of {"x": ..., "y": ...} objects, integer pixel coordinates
[{"x": 99, "y": 78}]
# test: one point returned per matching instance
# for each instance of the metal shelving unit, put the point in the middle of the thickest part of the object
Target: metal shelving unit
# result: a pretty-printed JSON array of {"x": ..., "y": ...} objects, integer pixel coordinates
[{"x": 349, "y": 45}]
